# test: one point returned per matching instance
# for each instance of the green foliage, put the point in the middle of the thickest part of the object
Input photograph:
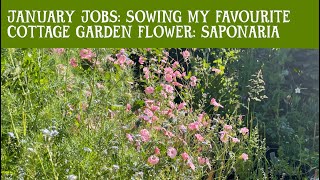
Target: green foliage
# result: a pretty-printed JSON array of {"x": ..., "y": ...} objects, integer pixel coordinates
[
  {"x": 290, "y": 115},
  {"x": 216, "y": 84}
]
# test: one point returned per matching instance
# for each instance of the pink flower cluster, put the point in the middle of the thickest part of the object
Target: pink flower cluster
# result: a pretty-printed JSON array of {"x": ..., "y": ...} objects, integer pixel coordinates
[
  {"x": 193, "y": 81},
  {"x": 186, "y": 54},
  {"x": 176, "y": 127},
  {"x": 121, "y": 59},
  {"x": 73, "y": 62},
  {"x": 87, "y": 54},
  {"x": 227, "y": 130}
]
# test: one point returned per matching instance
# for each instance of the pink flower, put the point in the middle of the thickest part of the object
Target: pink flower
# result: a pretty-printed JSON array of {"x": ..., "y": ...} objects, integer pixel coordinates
[
  {"x": 145, "y": 135},
  {"x": 199, "y": 137},
  {"x": 171, "y": 152},
  {"x": 163, "y": 94},
  {"x": 194, "y": 126},
  {"x": 86, "y": 54},
  {"x": 109, "y": 58},
  {"x": 129, "y": 62},
  {"x": 193, "y": 81},
  {"x": 244, "y": 156},
  {"x": 168, "y": 70},
  {"x": 148, "y": 49},
  {"x": 158, "y": 128},
  {"x": 169, "y": 89},
  {"x": 205, "y": 123},
  {"x": 164, "y": 60},
  {"x": 146, "y": 72},
  {"x": 146, "y": 75},
  {"x": 168, "y": 77},
  {"x": 145, "y": 69},
  {"x": 100, "y": 86},
  {"x": 175, "y": 64},
  {"x": 154, "y": 108},
  {"x": 244, "y": 131},
  {"x": 156, "y": 151},
  {"x": 178, "y": 74},
  {"x": 122, "y": 52},
  {"x": 215, "y": 103},
  {"x": 154, "y": 118},
  {"x": 153, "y": 160},
  {"x": 193, "y": 78},
  {"x": 148, "y": 101},
  {"x": 201, "y": 116},
  {"x": 168, "y": 113},
  {"x": 129, "y": 137},
  {"x": 227, "y": 127},
  {"x": 145, "y": 117},
  {"x": 122, "y": 59},
  {"x": 148, "y": 112},
  {"x": 168, "y": 133},
  {"x": 87, "y": 93},
  {"x": 73, "y": 62},
  {"x": 128, "y": 107},
  {"x": 177, "y": 84},
  {"x": 182, "y": 128},
  {"x": 59, "y": 50},
  {"x": 181, "y": 105},
  {"x": 217, "y": 71},
  {"x": 185, "y": 54},
  {"x": 191, "y": 165},
  {"x": 235, "y": 140},
  {"x": 201, "y": 160},
  {"x": 223, "y": 136},
  {"x": 172, "y": 105},
  {"x": 185, "y": 156},
  {"x": 149, "y": 90},
  {"x": 193, "y": 84},
  {"x": 141, "y": 60}
]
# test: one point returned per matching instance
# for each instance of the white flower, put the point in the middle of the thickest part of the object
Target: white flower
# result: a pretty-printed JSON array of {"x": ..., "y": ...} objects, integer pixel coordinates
[
  {"x": 54, "y": 133},
  {"x": 72, "y": 177},
  {"x": 87, "y": 149},
  {"x": 115, "y": 167},
  {"x": 45, "y": 132},
  {"x": 11, "y": 135},
  {"x": 31, "y": 150},
  {"x": 298, "y": 90},
  {"x": 51, "y": 133},
  {"x": 115, "y": 147}
]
